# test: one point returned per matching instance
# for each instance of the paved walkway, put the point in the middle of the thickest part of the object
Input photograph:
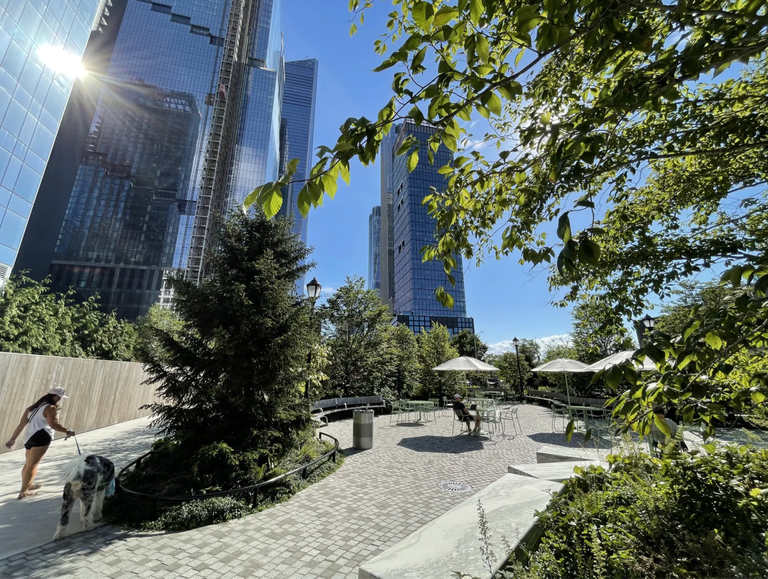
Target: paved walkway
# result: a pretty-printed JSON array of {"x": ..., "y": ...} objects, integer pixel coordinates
[
  {"x": 32, "y": 521},
  {"x": 376, "y": 499}
]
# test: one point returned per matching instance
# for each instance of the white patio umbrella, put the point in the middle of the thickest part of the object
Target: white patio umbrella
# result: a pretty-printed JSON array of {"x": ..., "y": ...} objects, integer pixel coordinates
[
  {"x": 465, "y": 364},
  {"x": 562, "y": 365},
  {"x": 646, "y": 366}
]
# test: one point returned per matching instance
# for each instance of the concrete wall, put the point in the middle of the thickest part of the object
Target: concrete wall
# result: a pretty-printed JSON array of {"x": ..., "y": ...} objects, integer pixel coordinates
[{"x": 101, "y": 392}]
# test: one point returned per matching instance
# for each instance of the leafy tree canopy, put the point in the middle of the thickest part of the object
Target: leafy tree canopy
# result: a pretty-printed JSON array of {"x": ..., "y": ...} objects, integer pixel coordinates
[
  {"x": 638, "y": 126},
  {"x": 402, "y": 351},
  {"x": 597, "y": 332},
  {"x": 355, "y": 323},
  {"x": 434, "y": 349},
  {"x": 34, "y": 320},
  {"x": 467, "y": 343}
]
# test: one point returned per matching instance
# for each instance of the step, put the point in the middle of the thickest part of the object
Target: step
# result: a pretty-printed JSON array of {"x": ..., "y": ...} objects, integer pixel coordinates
[
  {"x": 552, "y": 471},
  {"x": 554, "y": 453}
]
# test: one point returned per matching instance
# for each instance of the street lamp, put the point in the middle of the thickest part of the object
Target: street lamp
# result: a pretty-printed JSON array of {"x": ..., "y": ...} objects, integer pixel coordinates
[
  {"x": 516, "y": 343},
  {"x": 313, "y": 292},
  {"x": 643, "y": 327},
  {"x": 476, "y": 336}
]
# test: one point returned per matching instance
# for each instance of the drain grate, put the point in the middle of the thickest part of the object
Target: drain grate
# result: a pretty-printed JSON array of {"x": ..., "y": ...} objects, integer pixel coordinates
[{"x": 453, "y": 486}]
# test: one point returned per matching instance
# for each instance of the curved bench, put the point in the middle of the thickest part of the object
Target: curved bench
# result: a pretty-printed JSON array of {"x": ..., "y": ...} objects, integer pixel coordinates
[{"x": 322, "y": 408}]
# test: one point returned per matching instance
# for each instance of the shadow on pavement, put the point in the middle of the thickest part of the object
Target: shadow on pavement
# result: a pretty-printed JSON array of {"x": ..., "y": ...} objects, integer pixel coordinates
[{"x": 443, "y": 444}]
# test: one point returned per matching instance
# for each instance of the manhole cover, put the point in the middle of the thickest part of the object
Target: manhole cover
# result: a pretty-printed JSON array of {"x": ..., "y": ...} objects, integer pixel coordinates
[{"x": 453, "y": 486}]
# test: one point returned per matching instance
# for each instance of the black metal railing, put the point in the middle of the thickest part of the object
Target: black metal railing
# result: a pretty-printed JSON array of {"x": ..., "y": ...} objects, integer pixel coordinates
[{"x": 249, "y": 489}]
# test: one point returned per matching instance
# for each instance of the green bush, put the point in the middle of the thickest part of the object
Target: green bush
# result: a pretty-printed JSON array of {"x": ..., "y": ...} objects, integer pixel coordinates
[
  {"x": 692, "y": 515},
  {"x": 210, "y": 466},
  {"x": 200, "y": 513}
]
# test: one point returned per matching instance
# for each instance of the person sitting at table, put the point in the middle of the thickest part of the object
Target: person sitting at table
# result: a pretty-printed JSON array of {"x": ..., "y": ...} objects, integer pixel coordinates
[
  {"x": 466, "y": 416},
  {"x": 658, "y": 438}
]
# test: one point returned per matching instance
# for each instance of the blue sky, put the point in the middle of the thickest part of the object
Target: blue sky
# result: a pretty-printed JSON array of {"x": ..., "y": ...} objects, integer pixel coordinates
[{"x": 505, "y": 298}]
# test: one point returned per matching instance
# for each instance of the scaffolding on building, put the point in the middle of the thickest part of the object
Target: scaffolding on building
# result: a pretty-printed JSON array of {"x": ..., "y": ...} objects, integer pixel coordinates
[{"x": 222, "y": 139}]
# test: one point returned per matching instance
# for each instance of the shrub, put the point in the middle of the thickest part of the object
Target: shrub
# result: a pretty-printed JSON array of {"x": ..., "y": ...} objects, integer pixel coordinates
[
  {"x": 692, "y": 515},
  {"x": 199, "y": 513}
]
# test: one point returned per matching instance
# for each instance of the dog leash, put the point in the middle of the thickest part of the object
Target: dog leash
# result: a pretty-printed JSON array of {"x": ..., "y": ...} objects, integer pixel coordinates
[{"x": 77, "y": 444}]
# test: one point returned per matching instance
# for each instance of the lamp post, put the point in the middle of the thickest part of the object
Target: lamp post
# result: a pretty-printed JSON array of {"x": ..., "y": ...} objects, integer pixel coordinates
[
  {"x": 313, "y": 292},
  {"x": 516, "y": 343},
  {"x": 647, "y": 323},
  {"x": 476, "y": 336}
]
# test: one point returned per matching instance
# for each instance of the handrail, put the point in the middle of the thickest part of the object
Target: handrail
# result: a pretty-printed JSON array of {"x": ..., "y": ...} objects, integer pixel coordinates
[{"x": 256, "y": 487}]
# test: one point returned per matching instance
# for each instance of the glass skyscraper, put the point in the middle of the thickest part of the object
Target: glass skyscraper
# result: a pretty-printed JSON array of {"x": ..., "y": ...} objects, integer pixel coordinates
[
  {"x": 299, "y": 95},
  {"x": 415, "y": 303},
  {"x": 190, "y": 120},
  {"x": 41, "y": 45},
  {"x": 386, "y": 245},
  {"x": 374, "y": 249}
]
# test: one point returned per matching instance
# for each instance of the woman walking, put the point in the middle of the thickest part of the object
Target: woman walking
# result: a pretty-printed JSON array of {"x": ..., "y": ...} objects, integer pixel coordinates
[{"x": 41, "y": 419}]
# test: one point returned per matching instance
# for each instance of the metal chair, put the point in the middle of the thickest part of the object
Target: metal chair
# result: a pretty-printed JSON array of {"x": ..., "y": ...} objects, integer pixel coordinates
[
  {"x": 559, "y": 411},
  {"x": 399, "y": 407},
  {"x": 459, "y": 417},
  {"x": 510, "y": 415}
]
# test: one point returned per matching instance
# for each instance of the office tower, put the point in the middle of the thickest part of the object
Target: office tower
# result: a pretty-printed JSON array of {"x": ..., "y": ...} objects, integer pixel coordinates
[
  {"x": 41, "y": 46},
  {"x": 299, "y": 95},
  {"x": 386, "y": 248},
  {"x": 201, "y": 82},
  {"x": 415, "y": 304},
  {"x": 374, "y": 248},
  {"x": 121, "y": 225}
]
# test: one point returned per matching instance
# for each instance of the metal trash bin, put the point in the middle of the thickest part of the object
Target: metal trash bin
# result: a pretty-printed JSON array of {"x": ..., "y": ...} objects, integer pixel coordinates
[{"x": 362, "y": 429}]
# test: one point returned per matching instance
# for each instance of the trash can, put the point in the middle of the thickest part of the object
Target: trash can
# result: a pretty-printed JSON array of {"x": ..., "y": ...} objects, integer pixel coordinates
[{"x": 362, "y": 429}]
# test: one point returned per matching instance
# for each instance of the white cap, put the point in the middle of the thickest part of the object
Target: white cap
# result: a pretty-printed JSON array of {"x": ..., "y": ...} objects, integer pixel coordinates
[
  {"x": 58, "y": 392},
  {"x": 456, "y": 396}
]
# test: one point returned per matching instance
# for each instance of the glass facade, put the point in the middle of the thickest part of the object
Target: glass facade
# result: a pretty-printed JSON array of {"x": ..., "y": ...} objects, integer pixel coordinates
[
  {"x": 299, "y": 96},
  {"x": 130, "y": 214},
  {"x": 386, "y": 250},
  {"x": 416, "y": 280},
  {"x": 120, "y": 227},
  {"x": 374, "y": 247},
  {"x": 41, "y": 45}
]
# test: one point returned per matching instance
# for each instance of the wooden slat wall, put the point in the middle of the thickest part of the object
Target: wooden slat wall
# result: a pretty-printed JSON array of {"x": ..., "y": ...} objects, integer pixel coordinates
[{"x": 101, "y": 392}]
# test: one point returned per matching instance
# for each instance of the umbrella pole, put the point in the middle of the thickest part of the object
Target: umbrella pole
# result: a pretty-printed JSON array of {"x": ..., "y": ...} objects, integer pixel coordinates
[{"x": 567, "y": 390}]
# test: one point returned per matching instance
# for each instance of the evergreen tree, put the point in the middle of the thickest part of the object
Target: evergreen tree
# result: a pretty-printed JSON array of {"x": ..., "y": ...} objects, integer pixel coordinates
[{"x": 230, "y": 373}]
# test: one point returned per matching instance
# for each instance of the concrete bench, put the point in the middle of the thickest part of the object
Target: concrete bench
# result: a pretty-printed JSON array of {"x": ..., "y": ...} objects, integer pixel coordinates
[
  {"x": 552, "y": 471},
  {"x": 450, "y": 542},
  {"x": 554, "y": 453}
]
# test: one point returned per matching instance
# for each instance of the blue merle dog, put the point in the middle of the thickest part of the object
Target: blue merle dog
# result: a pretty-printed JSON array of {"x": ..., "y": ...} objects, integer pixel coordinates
[{"x": 87, "y": 478}]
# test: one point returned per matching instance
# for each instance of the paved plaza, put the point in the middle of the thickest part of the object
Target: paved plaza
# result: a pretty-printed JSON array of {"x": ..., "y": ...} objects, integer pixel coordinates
[{"x": 374, "y": 500}]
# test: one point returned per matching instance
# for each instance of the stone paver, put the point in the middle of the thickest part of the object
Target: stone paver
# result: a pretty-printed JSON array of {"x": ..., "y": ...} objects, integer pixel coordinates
[{"x": 373, "y": 501}]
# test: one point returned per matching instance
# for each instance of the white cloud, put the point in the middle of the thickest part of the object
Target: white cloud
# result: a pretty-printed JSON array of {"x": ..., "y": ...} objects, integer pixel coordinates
[
  {"x": 327, "y": 291},
  {"x": 508, "y": 346}
]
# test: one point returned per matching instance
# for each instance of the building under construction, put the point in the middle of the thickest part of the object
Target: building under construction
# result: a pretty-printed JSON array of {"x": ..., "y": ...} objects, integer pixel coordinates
[{"x": 224, "y": 60}]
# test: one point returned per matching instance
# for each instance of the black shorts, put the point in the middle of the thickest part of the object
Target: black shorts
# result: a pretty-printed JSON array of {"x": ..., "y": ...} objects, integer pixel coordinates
[
  {"x": 39, "y": 438},
  {"x": 467, "y": 418}
]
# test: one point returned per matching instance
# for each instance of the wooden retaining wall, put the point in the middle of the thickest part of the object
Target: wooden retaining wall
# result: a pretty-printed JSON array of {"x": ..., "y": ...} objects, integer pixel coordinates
[{"x": 101, "y": 392}]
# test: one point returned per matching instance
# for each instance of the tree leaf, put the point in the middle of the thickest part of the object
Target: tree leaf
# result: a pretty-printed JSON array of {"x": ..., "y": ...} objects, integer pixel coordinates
[
  {"x": 413, "y": 160},
  {"x": 713, "y": 340},
  {"x": 271, "y": 202},
  {"x": 482, "y": 48},
  {"x": 476, "y": 10},
  {"x": 564, "y": 227}
]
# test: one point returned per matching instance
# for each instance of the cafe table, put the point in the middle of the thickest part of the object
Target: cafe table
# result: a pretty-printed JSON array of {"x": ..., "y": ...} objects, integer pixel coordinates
[{"x": 422, "y": 406}]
